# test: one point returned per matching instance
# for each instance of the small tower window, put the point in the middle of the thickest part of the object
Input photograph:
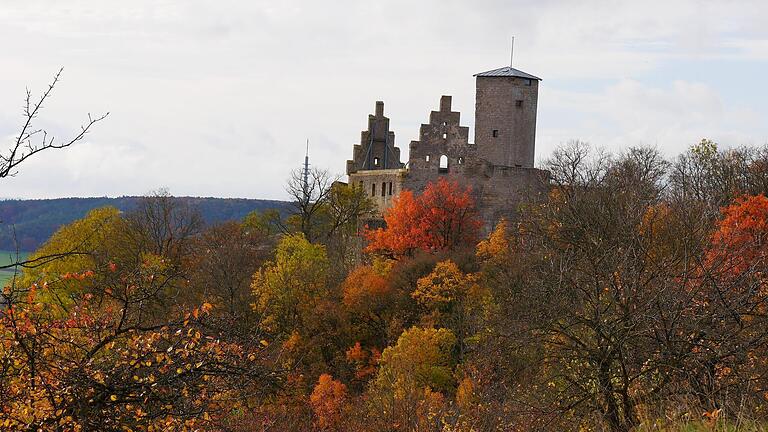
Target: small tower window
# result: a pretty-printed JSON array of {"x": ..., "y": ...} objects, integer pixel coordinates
[
  {"x": 461, "y": 160},
  {"x": 373, "y": 189},
  {"x": 519, "y": 103},
  {"x": 495, "y": 133},
  {"x": 383, "y": 188},
  {"x": 390, "y": 188},
  {"x": 528, "y": 82},
  {"x": 443, "y": 164},
  {"x": 445, "y": 136},
  {"x": 427, "y": 158},
  {"x": 376, "y": 161}
]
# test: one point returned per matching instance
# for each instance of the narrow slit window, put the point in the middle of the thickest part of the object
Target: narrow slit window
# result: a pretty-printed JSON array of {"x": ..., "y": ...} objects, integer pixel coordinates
[
  {"x": 383, "y": 188},
  {"x": 390, "y": 188},
  {"x": 445, "y": 136},
  {"x": 373, "y": 189},
  {"x": 445, "y": 123},
  {"x": 495, "y": 133},
  {"x": 461, "y": 160},
  {"x": 376, "y": 161},
  {"x": 427, "y": 158},
  {"x": 519, "y": 103}
]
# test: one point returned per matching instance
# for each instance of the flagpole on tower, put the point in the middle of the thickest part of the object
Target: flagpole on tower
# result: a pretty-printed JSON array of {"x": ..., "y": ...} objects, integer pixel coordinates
[{"x": 512, "y": 52}]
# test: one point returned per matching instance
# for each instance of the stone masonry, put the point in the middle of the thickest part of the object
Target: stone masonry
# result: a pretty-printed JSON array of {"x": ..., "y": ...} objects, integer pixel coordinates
[{"x": 498, "y": 166}]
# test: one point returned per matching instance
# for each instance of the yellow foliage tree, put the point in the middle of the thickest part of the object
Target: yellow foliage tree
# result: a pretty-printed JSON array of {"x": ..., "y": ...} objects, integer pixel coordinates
[{"x": 288, "y": 288}]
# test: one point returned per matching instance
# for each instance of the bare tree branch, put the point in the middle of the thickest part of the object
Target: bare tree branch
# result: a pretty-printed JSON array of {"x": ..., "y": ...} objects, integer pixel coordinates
[{"x": 32, "y": 140}]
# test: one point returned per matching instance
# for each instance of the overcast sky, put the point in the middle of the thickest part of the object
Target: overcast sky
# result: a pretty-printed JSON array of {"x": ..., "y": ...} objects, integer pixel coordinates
[{"x": 217, "y": 98}]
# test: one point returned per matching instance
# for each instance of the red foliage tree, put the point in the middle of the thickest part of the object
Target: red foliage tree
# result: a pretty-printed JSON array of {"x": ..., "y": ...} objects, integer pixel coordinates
[
  {"x": 741, "y": 240},
  {"x": 442, "y": 218}
]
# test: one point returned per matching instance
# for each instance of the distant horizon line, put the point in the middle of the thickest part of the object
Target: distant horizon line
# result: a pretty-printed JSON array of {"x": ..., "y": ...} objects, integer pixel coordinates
[{"x": 137, "y": 196}]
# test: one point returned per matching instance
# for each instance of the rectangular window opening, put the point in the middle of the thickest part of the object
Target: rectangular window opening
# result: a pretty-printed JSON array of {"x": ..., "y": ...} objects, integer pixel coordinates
[
  {"x": 376, "y": 161},
  {"x": 495, "y": 133},
  {"x": 445, "y": 136},
  {"x": 383, "y": 188},
  {"x": 427, "y": 158},
  {"x": 373, "y": 189},
  {"x": 390, "y": 188},
  {"x": 519, "y": 103}
]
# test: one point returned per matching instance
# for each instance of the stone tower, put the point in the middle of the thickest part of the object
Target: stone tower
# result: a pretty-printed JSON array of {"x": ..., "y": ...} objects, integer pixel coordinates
[{"x": 505, "y": 116}]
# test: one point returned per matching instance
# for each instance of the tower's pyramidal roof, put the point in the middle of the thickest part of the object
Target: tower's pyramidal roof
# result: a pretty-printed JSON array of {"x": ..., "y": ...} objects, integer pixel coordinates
[{"x": 507, "y": 72}]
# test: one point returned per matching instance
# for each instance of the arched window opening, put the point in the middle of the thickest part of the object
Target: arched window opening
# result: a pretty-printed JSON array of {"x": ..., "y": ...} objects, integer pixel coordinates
[
  {"x": 383, "y": 188},
  {"x": 373, "y": 189},
  {"x": 443, "y": 164}
]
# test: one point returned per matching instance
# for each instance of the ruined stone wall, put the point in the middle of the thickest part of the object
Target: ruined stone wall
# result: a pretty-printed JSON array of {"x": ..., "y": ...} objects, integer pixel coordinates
[
  {"x": 505, "y": 120},
  {"x": 442, "y": 138},
  {"x": 377, "y": 150},
  {"x": 498, "y": 190},
  {"x": 381, "y": 186},
  {"x": 502, "y": 190}
]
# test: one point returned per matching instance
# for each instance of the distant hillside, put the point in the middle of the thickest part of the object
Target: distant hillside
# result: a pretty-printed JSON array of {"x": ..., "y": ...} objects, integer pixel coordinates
[{"x": 35, "y": 220}]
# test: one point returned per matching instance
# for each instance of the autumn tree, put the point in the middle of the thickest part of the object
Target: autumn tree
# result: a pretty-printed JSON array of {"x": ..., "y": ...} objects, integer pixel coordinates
[
  {"x": 442, "y": 218},
  {"x": 96, "y": 363},
  {"x": 328, "y": 400},
  {"x": 323, "y": 206},
  {"x": 221, "y": 265},
  {"x": 588, "y": 289},
  {"x": 287, "y": 289},
  {"x": 710, "y": 177},
  {"x": 729, "y": 343},
  {"x": 74, "y": 248},
  {"x": 455, "y": 300},
  {"x": 296, "y": 309},
  {"x": 413, "y": 379}
]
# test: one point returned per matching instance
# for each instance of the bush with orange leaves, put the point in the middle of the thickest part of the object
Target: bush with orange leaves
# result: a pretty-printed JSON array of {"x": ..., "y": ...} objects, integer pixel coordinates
[{"x": 328, "y": 401}]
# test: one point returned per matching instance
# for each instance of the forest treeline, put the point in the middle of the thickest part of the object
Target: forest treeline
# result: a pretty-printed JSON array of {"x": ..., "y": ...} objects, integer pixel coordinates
[
  {"x": 632, "y": 298},
  {"x": 27, "y": 224}
]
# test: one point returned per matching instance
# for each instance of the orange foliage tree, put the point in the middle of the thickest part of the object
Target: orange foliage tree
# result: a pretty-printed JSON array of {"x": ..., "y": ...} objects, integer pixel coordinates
[
  {"x": 442, "y": 218},
  {"x": 88, "y": 365},
  {"x": 740, "y": 240},
  {"x": 328, "y": 400}
]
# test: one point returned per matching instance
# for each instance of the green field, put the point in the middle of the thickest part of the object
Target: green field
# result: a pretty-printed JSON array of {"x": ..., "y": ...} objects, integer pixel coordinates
[{"x": 8, "y": 257}]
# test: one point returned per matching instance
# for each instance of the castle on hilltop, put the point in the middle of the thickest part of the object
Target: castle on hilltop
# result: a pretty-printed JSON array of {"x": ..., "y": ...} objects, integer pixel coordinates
[{"x": 498, "y": 165}]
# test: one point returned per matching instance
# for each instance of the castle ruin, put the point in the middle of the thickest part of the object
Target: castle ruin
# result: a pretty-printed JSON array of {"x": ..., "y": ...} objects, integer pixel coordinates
[{"x": 498, "y": 166}]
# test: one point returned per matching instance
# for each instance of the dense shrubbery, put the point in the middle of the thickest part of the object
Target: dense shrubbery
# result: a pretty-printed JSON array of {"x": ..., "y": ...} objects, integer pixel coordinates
[{"x": 633, "y": 298}]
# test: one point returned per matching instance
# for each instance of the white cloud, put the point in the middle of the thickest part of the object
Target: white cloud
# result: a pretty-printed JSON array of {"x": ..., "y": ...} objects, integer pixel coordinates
[{"x": 217, "y": 98}]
